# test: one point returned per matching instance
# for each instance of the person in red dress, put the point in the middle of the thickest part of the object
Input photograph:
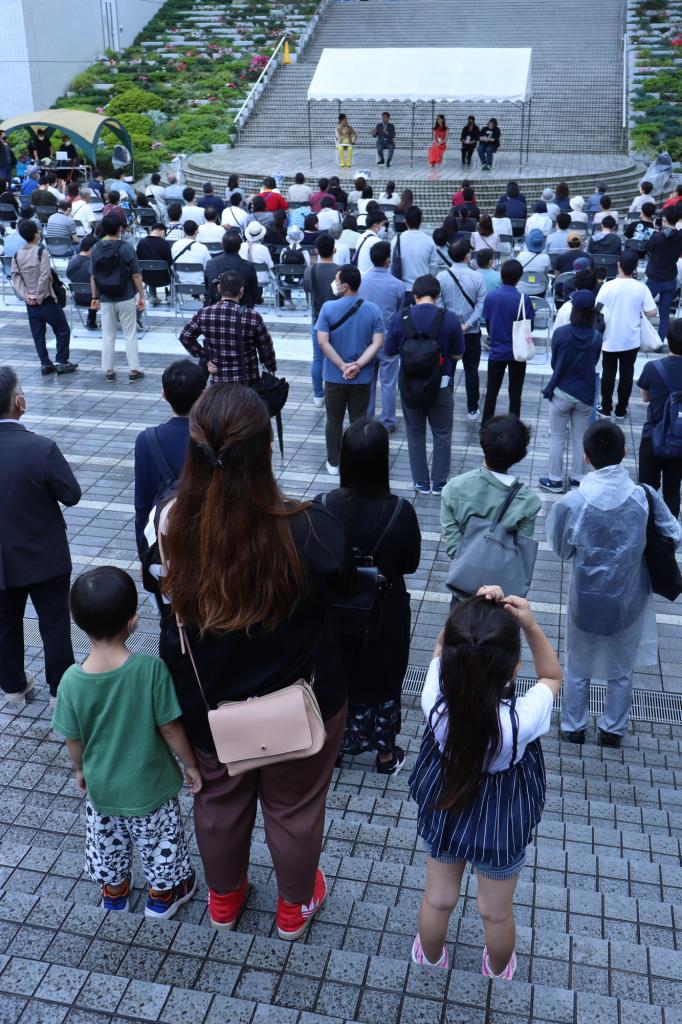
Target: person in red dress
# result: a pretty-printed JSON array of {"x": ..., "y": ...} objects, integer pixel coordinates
[{"x": 440, "y": 141}]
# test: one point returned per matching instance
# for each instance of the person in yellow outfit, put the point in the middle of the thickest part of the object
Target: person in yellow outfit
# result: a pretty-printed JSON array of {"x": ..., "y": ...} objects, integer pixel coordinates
[{"x": 346, "y": 137}]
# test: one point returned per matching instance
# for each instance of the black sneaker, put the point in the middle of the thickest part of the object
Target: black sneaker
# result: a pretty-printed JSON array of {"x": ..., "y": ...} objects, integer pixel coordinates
[
  {"x": 608, "y": 739},
  {"x": 393, "y": 766},
  {"x": 556, "y": 486},
  {"x": 602, "y": 415},
  {"x": 572, "y": 737},
  {"x": 67, "y": 367},
  {"x": 47, "y": 368}
]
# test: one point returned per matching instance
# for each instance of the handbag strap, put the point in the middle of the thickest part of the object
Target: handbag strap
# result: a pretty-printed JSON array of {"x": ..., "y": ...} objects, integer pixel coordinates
[
  {"x": 521, "y": 311},
  {"x": 513, "y": 491},
  {"x": 346, "y": 316},
  {"x": 389, "y": 526},
  {"x": 454, "y": 278},
  {"x": 514, "y": 718}
]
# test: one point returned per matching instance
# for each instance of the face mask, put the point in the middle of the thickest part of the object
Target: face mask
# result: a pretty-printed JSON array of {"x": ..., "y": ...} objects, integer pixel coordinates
[
  {"x": 382, "y": 232},
  {"x": 337, "y": 288}
]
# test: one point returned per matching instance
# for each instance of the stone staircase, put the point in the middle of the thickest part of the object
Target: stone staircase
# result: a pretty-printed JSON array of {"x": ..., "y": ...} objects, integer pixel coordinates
[
  {"x": 576, "y": 72},
  {"x": 598, "y": 907}
]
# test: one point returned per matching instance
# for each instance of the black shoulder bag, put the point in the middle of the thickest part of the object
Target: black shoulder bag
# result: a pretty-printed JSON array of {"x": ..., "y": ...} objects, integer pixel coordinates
[
  {"x": 272, "y": 390},
  {"x": 57, "y": 286},
  {"x": 659, "y": 557},
  {"x": 346, "y": 316}
]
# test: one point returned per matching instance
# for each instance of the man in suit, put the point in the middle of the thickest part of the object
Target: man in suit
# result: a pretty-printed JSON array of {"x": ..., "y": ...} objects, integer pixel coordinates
[
  {"x": 230, "y": 259},
  {"x": 34, "y": 553}
]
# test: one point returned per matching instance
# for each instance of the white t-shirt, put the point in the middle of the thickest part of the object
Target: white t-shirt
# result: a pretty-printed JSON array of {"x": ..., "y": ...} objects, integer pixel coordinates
[
  {"x": 367, "y": 241},
  {"x": 638, "y": 202},
  {"x": 194, "y": 213},
  {"x": 234, "y": 217},
  {"x": 327, "y": 218},
  {"x": 185, "y": 250},
  {"x": 541, "y": 221},
  {"x": 626, "y": 300},
  {"x": 537, "y": 262},
  {"x": 84, "y": 216},
  {"x": 484, "y": 241},
  {"x": 256, "y": 252},
  {"x": 598, "y": 217},
  {"x": 210, "y": 232},
  {"x": 534, "y": 711},
  {"x": 341, "y": 254},
  {"x": 299, "y": 193}
]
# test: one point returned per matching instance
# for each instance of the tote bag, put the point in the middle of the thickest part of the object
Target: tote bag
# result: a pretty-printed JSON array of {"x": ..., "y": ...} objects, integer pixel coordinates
[
  {"x": 522, "y": 335},
  {"x": 649, "y": 341}
]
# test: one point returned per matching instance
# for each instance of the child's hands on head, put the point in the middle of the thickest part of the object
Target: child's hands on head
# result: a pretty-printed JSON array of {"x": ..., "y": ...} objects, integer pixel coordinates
[
  {"x": 491, "y": 593},
  {"x": 193, "y": 779},
  {"x": 520, "y": 609}
]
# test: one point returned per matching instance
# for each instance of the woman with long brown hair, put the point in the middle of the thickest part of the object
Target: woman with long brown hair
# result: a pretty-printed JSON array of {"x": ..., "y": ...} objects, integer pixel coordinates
[
  {"x": 440, "y": 141},
  {"x": 252, "y": 575}
]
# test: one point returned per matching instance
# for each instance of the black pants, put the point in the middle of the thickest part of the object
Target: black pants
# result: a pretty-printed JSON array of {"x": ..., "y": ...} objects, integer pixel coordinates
[
  {"x": 624, "y": 363},
  {"x": 49, "y": 312},
  {"x": 470, "y": 363},
  {"x": 338, "y": 398},
  {"x": 467, "y": 152},
  {"x": 652, "y": 469},
  {"x": 51, "y": 602},
  {"x": 517, "y": 375}
]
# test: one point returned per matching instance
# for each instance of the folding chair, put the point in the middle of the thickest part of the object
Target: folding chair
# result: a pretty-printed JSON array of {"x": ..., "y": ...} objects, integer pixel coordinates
[
  {"x": 560, "y": 280},
  {"x": 8, "y": 215},
  {"x": 544, "y": 319},
  {"x": 144, "y": 218},
  {"x": 82, "y": 290},
  {"x": 6, "y": 275},
  {"x": 507, "y": 240},
  {"x": 554, "y": 257},
  {"x": 215, "y": 248},
  {"x": 638, "y": 244},
  {"x": 182, "y": 293},
  {"x": 609, "y": 261},
  {"x": 578, "y": 225},
  {"x": 268, "y": 287},
  {"x": 155, "y": 274},
  {"x": 289, "y": 277},
  {"x": 61, "y": 247},
  {"x": 518, "y": 226},
  {"x": 533, "y": 283}
]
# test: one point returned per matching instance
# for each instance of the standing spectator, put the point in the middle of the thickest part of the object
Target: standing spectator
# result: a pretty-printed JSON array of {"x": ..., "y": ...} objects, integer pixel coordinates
[
  {"x": 350, "y": 332},
  {"x": 611, "y": 625},
  {"x": 500, "y": 310},
  {"x": 191, "y": 210},
  {"x": 155, "y": 246},
  {"x": 233, "y": 216},
  {"x": 427, "y": 396},
  {"x": 256, "y": 598},
  {"x": 626, "y": 300},
  {"x": 385, "y": 528},
  {"x": 571, "y": 390},
  {"x": 644, "y": 196},
  {"x": 463, "y": 292},
  {"x": 34, "y": 478},
  {"x": 181, "y": 384},
  {"x": 121, "y": 720},
  {"x": 78, "y": 272},
  {"x": 223, "y": 325},
  {"x": 210, "y": 232},
  {"x": 32, "y": 282},
  {"x": 318, "y": 280},
  {"x": 605, "y": 211},
  {"x": 299, "y": 192},
  {"x": 557, "y": 241},
  {"x": 417, "y": 251},
  {"x": 322, "y": 193},
  {"x": 229, "y": 259},
  {"x": 664, "y": 249},
  {"x": 273, "y": 199},
  {"x": 384, "y": 133},
  {"x": 210, "y": 201},
  {"x": 658, "y": 380},
  {"x": 7, "y": 159},
  {"x": 480, "y": 492},
  {"x": 385, "y": 291},
  {"x": 190, "y": 250},
  {"x": 605, "y": 241},
  {"x": 115, "y": 281},
  {"x": 61, "y": 226},
  {"x": 375, "y": 232}
]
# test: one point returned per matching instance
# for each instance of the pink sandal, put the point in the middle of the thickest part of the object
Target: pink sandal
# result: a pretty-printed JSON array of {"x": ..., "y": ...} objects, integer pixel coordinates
[
  {"x": 506, "y": 975},
  {"x": 419, "y": 957}
]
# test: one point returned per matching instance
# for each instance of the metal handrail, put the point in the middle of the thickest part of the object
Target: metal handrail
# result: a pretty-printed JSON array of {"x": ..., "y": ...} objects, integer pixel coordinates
[{"x": 264, "y": 75}]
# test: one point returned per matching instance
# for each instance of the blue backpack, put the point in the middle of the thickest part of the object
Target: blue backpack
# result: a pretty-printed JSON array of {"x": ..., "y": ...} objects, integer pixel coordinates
[{"x": 666, "y": 436}]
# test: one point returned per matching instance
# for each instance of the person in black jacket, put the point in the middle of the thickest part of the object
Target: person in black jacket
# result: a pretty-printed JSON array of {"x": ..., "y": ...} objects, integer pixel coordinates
[
  {"x": 34, "y": 554},
  {"x": 664, "y": 249},
  {"x": 385, "y": 528},
  {"x": 231, "y": 260},
  {"x": 488, "y": 144},
  {"x": 469, "y": 139}
]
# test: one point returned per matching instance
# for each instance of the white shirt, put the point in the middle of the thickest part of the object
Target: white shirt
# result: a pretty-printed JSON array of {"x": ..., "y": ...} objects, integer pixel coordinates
[
  {"x": 84, "y": 216},
  {"x": 393, "y": 200},
  {"x": 626, "y": 301},
  {"x": 563, "y": 315},
  {"x": 598, "y": 217},
  {"x": 256, "y": 252},
  {"x": 578, "y": 217},
  {"x": 234, "y": 217},
  {"x": 638, "y": 202},
  {"x": 341, "y": 254},
  {"x": 484, "y": 241},
  {"x": 187, "y": 250},
  {"x": 534, "y": 711},
  {"x": 539, "y": 262},
  {"x": 209, "y": 231},
  {"x": 194, "y": 213},
  {"x": 366, "y": 241},
  {"x": 543, "y": 221},
  {"x": 326, "y": 218},
  {"x": 299, "y": 193}
]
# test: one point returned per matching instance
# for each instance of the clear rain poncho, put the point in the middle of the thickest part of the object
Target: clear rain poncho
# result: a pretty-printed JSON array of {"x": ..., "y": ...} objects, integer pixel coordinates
[{"x": 601, "y": 526}]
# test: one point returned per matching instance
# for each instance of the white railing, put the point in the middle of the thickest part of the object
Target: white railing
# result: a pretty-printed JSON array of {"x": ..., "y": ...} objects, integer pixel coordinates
[
  {"x": 626, "y": 56},
  {"x": 268, "y": 71}
]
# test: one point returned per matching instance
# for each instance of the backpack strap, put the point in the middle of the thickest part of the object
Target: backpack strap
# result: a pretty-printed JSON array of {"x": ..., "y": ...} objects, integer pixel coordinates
[
  {"x": 436, "y": 324},
  {"x": 351, "y": 312},
  {"x": 662, "y": 371},
  {"x": 389, "y": 525},
  {"x": 160, "y": 459}
]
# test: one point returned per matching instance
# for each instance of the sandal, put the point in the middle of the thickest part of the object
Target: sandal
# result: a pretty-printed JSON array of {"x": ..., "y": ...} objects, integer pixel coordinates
[
  {"x": 135, "y": 375},
  {"x": 111, "y": 376}
]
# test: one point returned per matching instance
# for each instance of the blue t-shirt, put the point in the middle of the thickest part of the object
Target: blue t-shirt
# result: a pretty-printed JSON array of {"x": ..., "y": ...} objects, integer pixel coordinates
[
  {"x": 352, "y": 338},
  {"x": 652, "y": 381}
]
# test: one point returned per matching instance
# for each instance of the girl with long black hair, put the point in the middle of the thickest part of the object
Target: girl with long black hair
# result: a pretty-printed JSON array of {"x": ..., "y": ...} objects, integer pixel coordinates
[{"x": 479, "y": 780}]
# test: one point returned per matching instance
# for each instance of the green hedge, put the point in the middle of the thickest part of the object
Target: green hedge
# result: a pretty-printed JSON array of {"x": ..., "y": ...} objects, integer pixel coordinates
[{"x": 661, "y": 126}]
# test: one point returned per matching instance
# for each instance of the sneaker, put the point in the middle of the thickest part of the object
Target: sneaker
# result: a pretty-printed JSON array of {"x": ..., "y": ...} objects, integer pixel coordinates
[
  {"x": 224, "y": 909},
  {"x": 24, "y": 696},
  {"x": 574, "y": 483},
  {"x": 135, "y": 375},
  {"x": 437, "y": 488},
  {"x": 603, "y": 415},
  {"x": 293, "y": 918},
  {"x": 47, "y": 368},
  {"x": 556, "y": 486},
  {"x": 473, "y": 416},
  {"x": 110, "y": 376},
  {"x": 67, "y": 367},
  {"x": 418, "y": 956},
  {"x": 608, "y": 739},
  {"x": 91, "y": 327},
  {"x": 578, "y": 736},
  {"x": 506, "y": 975},
  {"x": 318, "y": 401},
  {"x": 423, "y": 488},
  {"x": 115, "y": 901},
  {"x": 332, "y": 470},
  {"x": 162, "y": 903},
  {"x": 621, "y": 419},
  {"x": 393, "y": 766},
  {"x": 379, "y": 162}
]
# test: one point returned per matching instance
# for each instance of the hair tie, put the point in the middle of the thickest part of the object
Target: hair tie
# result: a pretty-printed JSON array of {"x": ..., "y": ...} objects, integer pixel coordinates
[{"x": 217, "y": 463}]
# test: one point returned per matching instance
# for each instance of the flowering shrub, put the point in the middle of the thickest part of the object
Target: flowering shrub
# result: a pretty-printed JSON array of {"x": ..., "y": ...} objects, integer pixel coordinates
[{"x": 657, "y": 100}]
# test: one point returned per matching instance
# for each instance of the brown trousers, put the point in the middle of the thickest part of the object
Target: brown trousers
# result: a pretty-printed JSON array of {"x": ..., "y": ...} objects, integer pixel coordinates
[{"x": 292, "y": 797}]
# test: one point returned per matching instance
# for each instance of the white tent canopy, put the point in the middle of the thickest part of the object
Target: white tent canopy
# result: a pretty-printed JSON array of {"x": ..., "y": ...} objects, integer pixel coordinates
[{"x": 423, "y": 74}]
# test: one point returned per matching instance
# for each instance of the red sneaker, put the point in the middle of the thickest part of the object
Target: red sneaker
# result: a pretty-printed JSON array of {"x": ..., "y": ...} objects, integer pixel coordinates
[
  {"x": 293, "y": 918},
  {"x": 224, "y": 908}
]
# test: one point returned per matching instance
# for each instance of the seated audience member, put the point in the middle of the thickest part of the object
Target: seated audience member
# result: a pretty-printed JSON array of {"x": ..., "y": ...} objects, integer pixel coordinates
[
  {"x": 328, "y": 215},
  {"x": 562, "y": 196},
  {"x": 458, "y": 197},
  {"x": 644, "y": 196},
  {"x": 594, "y": 201},
  {"x": 533, "y": 256},
  {"x": 311, "y": 229},
  {"x": 484, "y": 265},
  {"x": 557, "y": 241},
  {"x": 276, "y": 234},
  {"x": 155, "y": 246},
  {"x": 514, "y": 202},
  {"x": 578, "y": 215},
  {"x": 539, "y": 219},
  {"x": 234, "y": 216},
  {"x": 299, "y": 192},
  {"x": 468, "y": 208},
  {"x": 566, "y": 261},
  {"x": 605, "y": 211},
  {"x": 189, "y": 250},
  {"x": 254, "y": 250},
  {"x": 230, "y": 259},
  {"x": 355, "y": 194},
  {"x": 484, "y": 237},
  {"x": 642, "y": 230},
  {"x": 341, "y": 250},
  {"x": 191, "y": 210},
  {"x": 210, "y": 232},
  {"x": 210, "y": 200},
  {"x": 273, "y": 199},
  {"x": 480, "y": 492},
  {"x": 78, "y": 272},
  {"x": 337, "y": 192},
  {"x": 502, "y": 226},
  {"x": 260, "y": 212},
  {"x": 174, "y": 229},
  {"x": 548, "y": 198},
  {"x": 350, "y": 235},
  {"x": 322, "y": 193},
  {"x": 605, "y": 240}
]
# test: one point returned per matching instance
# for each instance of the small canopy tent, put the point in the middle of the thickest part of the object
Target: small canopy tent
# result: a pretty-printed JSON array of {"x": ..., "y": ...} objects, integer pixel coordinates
[
  {"x": 425, "y": 75},
  {"x": 83, "y": 128}
]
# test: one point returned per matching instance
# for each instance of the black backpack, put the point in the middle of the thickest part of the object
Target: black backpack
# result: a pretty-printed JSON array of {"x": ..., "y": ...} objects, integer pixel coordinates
[
  {"x": 166, "y": 490},
  {"x": 420, "y": 362},
  {"x": 109, "y": 271},
  {"x": 293, "y": 257}
]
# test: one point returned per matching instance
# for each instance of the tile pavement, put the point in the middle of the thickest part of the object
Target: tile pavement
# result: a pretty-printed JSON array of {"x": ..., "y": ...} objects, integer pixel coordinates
[{"x": 599, "y": 905}]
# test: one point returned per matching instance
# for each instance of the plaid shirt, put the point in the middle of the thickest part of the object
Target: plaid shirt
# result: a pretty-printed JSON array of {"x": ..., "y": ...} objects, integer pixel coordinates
[{"x": 218, "y": 324}]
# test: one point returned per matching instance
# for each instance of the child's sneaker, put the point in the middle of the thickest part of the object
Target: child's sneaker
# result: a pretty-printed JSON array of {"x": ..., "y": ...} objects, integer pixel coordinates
[
  {"x": 506, "y": 975},
  {"x": 162, "y": 903},
  {"x": 293, "y": 918},
  {"x": 224, "y": 908},
  {"x": 116, "y": 901},
  {"x": 419, "y": 957}
]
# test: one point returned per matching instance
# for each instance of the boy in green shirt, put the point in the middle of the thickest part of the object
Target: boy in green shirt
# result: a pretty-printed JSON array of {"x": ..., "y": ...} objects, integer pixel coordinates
[{"x": 120, "y": 717}]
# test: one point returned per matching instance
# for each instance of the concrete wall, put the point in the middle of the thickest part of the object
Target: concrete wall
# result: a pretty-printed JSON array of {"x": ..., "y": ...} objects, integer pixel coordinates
[{"x": 43, "y": 51}]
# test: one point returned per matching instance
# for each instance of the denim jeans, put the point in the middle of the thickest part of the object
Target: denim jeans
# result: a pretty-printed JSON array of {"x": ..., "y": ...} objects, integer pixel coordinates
[
  {"x": 439, "y": 416},
  {"x": 663, "y": 292},
  {"x": 316, "y": 368},
  {"x": 385, "y": 147},
  {"x": 485, "y": 153},
  {"x": 49, "y": 312},
  {"x": 386, "y": 372}
]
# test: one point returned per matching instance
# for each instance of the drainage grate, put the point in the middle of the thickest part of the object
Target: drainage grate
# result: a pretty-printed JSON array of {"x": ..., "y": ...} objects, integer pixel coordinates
[{"x": 647, "y": 705}]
